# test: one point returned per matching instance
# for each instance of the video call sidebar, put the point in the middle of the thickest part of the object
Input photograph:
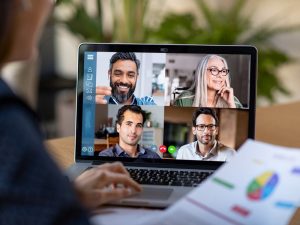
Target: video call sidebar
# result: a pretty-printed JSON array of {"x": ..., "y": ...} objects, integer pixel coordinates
[{"x": 88, "y": 112}]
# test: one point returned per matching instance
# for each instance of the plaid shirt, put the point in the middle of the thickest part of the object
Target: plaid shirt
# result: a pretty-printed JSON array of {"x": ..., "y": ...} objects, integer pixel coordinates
[{"x": 32, "y": 188}]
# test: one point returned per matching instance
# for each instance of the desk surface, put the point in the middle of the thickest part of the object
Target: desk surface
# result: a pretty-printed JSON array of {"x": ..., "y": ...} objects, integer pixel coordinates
[
  {"x": 279, "y": 124},
  {"x": 276, "y": 125}
]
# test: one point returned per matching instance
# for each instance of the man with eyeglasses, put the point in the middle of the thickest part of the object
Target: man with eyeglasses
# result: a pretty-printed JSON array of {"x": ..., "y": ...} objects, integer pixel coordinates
[{"x": 207, "y": 147}]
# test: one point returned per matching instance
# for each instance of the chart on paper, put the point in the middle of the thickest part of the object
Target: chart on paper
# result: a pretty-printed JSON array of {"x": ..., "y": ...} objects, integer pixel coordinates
[{"x": 259, "y": 186}]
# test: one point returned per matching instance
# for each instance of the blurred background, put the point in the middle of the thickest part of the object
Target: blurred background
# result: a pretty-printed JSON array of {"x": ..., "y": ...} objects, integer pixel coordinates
[{"x": 272, "y": 26}]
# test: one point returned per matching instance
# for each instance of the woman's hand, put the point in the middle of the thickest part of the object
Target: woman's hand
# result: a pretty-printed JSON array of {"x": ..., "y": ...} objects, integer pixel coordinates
[
  {"x": 102, "y": 91},
  {"x": 226, "y": 93},
  {"x": 105, "y": 183}
]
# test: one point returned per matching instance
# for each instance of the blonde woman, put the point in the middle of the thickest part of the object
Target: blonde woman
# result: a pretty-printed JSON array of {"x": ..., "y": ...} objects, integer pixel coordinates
[{"x": 211, "y": 87}]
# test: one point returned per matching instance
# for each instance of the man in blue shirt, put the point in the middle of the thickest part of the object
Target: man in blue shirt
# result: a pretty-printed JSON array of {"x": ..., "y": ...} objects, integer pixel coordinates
[
  {"x": 130, "y": 122},
  {"x": 123, "y": 74}
]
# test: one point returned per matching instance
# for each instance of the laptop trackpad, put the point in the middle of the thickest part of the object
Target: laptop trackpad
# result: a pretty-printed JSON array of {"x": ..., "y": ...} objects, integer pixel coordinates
[{"x": 154, "y": 193}]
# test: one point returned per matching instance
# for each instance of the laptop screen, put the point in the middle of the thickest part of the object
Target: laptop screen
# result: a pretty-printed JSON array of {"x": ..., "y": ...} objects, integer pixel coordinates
[{"x": 164, "y": 103}]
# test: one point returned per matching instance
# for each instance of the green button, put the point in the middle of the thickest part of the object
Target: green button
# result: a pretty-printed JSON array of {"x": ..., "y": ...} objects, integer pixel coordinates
[{"x": 171, "y": 149}]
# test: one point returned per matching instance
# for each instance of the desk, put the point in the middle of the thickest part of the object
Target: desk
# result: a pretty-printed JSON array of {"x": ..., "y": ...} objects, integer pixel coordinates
[{"x": 279, "y": 124}]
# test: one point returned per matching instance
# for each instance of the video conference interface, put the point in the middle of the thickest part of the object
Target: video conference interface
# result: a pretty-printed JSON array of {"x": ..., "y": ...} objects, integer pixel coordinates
[{"x": 196, "y": 106}]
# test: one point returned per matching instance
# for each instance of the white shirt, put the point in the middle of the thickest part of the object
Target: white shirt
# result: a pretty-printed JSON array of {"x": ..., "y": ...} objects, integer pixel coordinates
[{"x": 219, "y": 152}]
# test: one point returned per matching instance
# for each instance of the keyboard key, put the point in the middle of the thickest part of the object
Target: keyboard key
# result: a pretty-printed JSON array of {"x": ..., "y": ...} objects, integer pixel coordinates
[{"x": 165, "y": 177}]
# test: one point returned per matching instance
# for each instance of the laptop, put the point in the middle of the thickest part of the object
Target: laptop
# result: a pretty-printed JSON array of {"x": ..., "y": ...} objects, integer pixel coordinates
[{"x": 165, "y": 73}]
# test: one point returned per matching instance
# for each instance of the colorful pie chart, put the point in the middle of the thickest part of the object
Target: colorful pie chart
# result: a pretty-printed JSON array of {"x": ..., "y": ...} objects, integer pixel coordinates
[{"x": 262, "y": 186}]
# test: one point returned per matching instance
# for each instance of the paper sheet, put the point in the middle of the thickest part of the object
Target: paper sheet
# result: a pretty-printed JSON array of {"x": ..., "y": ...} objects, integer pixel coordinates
[{"x": 259, "y": 186}]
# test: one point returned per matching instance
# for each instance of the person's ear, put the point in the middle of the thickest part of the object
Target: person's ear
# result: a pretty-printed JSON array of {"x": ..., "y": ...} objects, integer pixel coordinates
[
  {"x": 109, "y": 74},
  {"x": 194, "y": 130},
  {"x": 118, "y": 128}
]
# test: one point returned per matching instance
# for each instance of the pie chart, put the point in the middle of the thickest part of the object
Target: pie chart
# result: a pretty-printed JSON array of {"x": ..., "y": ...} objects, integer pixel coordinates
[{"x": 262, "y": 186}]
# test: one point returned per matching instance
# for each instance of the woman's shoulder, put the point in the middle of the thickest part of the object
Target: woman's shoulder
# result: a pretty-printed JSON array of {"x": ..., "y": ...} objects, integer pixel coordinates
[
  {"x": 18, "y": 121},
  {"x": 237, "y": 103},
  {"x": 186, "y": 93},
  {"x": 185, "y": 98}
]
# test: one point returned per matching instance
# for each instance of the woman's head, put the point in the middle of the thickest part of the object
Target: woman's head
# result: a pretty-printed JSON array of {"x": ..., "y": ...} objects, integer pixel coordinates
[
  {"x": 212, "y": 74},
  {"x": 6, "y": 24},
  {"x": 216, "y": 73},
  {"x": 20, "y": 27}
]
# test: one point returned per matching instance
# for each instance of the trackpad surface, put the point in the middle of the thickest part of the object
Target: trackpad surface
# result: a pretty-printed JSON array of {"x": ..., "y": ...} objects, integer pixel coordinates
[{"x": 154, "y": 193}]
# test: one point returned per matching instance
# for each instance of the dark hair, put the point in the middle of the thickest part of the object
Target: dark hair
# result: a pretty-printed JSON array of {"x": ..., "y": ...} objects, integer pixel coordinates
[
  {"x": 124, "y": 56},
  {"x": 7, "y": 25},
  {"x": 133, "y": 108},
  {"x": 206, "y": 111}
]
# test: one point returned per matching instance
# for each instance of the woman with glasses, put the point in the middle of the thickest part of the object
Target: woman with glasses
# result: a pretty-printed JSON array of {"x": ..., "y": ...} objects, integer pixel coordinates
[{"x": 211, "y": 87}]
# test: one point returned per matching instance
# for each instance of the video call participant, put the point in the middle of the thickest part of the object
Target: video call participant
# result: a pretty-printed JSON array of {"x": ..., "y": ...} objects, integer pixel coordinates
[
  {"x": 123, "y": 74},
  {"x": 207, "y": 147},
  {"x": 211, "y": 87},
  {"x": 130, "y": 122}
]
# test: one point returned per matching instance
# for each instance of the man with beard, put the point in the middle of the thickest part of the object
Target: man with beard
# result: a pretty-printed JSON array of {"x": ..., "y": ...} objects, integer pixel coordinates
[
  {"x": 130, "y": 122},
  {"x": 123, "y": 74},
  {"x": 207, "y": 147}
]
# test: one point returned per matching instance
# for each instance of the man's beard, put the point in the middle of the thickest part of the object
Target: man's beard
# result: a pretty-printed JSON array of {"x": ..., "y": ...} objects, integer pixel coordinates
[
  {"x": 121, "y": 98},
  {"x": 206, "y": 142}
]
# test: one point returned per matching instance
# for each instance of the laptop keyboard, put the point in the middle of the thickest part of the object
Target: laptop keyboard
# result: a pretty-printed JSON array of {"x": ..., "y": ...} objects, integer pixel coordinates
[{"x": 165, "y": 177}]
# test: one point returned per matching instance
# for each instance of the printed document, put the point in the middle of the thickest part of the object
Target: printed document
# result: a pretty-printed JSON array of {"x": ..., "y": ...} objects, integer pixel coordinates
[{"x": 260, "y": 185}]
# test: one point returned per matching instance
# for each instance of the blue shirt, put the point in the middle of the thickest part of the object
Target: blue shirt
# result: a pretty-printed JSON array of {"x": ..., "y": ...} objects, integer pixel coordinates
[
  {"x": 135, "y": 101},
  {"x": 32, "y": 188},
  {"x": 117, "y": 151}
]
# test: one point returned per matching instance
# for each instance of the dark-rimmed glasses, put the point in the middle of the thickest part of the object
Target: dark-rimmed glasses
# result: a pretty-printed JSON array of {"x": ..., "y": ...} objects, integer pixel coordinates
[
  {"x": 210, "y": 127},
  {"x": 215, "y": 72}
]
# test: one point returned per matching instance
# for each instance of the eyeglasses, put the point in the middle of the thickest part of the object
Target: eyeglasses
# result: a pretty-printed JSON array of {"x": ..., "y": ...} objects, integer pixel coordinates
[
  {"x": 210, "y": 127},
  {"x": 215, "y": 72}
]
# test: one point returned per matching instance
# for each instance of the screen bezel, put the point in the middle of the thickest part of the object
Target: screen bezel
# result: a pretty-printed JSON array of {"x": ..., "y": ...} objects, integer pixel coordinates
[{"x": 162, "y": 48}]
